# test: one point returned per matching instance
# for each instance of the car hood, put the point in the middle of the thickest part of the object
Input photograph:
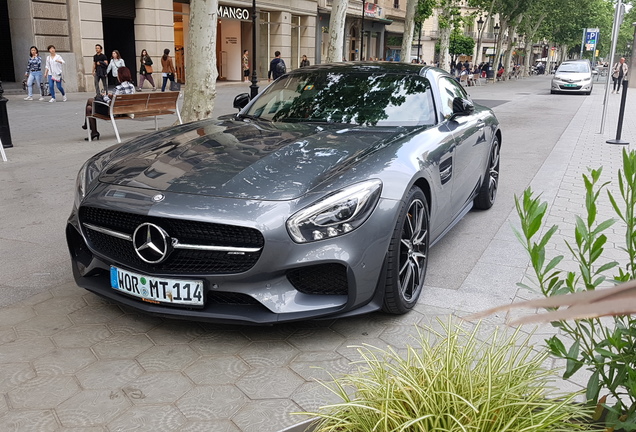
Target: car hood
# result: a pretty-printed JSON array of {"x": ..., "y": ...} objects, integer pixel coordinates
[
  {"x": 254, "y": 160},
  {"x": 572, "y": 76}
]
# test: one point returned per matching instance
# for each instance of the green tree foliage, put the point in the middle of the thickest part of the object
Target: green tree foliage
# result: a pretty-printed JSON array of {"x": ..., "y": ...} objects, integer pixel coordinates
[
  {"x": 460, "y": 44},
  {"x": 567, "y": 18}
]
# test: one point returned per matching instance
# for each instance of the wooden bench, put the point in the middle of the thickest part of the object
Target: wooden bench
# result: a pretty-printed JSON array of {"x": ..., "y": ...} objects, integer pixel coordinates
[{"x": 134, "y": 106}]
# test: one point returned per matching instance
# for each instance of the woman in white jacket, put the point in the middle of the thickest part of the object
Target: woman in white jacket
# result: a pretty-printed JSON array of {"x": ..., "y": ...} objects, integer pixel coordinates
[
  {"x": 619, "y": 73},
  {"x": 53, "y": 72},
  {"x": 115, "y": 63}
]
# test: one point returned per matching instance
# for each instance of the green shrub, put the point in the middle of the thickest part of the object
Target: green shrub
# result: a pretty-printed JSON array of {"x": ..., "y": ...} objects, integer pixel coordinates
[
  {"x": 458, "y": 383},
  {"x": 605, "y": 347}
]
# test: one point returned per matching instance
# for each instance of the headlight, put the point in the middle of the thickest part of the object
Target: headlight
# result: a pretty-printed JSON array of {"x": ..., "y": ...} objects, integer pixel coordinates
[
  {"x": 558, "y": 77},
  {"x": 337, "y": 214}
]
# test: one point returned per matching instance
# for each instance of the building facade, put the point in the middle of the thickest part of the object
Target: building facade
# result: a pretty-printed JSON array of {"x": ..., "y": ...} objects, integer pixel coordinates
[
  {"x": 129, "y": 26},
  {"x": 373, "y": 30}
]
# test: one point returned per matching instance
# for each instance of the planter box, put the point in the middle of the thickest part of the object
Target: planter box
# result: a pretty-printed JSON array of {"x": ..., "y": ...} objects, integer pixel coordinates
[{"x": 301, "y": 427}]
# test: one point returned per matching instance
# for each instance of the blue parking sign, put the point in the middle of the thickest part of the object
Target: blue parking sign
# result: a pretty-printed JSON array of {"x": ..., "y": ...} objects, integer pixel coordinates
[{"x": 591, "y": 37}]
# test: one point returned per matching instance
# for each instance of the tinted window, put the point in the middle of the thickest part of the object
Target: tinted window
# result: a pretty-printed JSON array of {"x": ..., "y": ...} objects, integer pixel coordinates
[{"x": 370, "y": 99}]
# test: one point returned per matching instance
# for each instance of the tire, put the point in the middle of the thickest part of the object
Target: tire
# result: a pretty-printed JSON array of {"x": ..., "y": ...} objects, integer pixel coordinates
[
  {"x": 488, "y": 191},
  {"x": 407, "y": 257}
]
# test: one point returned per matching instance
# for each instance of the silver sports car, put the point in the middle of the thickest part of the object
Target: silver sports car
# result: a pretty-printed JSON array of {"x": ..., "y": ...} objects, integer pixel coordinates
[{"x": 320, "y": 198}]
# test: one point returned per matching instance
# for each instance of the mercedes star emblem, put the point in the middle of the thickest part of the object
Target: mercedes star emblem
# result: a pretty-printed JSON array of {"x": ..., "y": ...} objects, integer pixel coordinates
[
  {"x": 158, "y": 198},
  {"x": 151, "y": 243}
]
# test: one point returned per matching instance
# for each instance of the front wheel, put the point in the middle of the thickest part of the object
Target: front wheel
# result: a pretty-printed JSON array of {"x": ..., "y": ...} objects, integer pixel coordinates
[
  {"x": 407, "y": 257},
  {"x": 488, "y": 191}
]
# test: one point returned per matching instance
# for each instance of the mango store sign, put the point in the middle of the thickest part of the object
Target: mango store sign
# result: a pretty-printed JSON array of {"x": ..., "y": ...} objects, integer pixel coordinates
[{"x": 233, "y": 12}]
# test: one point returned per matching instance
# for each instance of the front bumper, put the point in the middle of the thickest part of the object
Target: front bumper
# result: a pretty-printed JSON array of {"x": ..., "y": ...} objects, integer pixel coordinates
[
  {"x": 572, "y": 87},
  {"x": 287, "y": 281}
]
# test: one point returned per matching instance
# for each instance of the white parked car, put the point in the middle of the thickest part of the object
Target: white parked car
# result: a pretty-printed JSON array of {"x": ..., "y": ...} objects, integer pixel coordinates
[{"x": 573, "y": 76}]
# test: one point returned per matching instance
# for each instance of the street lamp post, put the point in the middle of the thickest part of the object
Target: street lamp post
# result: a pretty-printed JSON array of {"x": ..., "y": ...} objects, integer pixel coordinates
[
  {"x": 419, "y": 42},
  {"x": 495, "y": 48},
  {"x": 254, "y": 86},
  {"x": 480, "y": 25},
  {"x": 362, "y": 32}
]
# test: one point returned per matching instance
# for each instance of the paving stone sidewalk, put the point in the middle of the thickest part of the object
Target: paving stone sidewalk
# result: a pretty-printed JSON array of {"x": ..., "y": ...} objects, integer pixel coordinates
[{"x": 73, "y": 362}]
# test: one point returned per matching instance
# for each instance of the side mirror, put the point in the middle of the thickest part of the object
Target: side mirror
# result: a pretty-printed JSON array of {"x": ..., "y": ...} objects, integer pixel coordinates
[
  {"x": 241, "y": 101},
  {"x": 462, "y": 107}
]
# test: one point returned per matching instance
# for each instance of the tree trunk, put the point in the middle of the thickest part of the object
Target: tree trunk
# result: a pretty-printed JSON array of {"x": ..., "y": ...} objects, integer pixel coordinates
[
  {"x": 201, "y": 72},
  {"x": 508, "y": 53},
  {"x": 526, "y": 60},
  {"x": 409, "y": 26},
  {"x": 336, "y": 31},
  {"x": 502, "y": 32}
]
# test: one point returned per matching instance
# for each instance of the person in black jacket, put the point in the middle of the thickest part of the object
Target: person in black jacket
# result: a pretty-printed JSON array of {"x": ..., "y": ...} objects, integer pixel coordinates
[
  {"x": 100, "y": 65},
  {"x": 304, "y": 62},
  {"x": 277, "y": 67}
]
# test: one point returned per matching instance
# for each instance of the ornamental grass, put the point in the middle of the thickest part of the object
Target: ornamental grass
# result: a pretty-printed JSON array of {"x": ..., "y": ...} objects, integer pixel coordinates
[{"x": 455, "y": 380}]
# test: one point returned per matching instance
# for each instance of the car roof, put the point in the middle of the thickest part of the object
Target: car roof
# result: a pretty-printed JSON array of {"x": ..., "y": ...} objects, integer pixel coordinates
[{"x": 368, "y": 67}]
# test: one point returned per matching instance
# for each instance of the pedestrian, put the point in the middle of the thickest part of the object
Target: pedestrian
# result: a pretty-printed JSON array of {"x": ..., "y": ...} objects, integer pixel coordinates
[
  {"x": 305, "y": 61},
  {"x": 246, "y": 66},
  {"x": 34, "y": 73},
  {"x": 115, "y": 63},
  {"x": 167, "y": 69},
  {"x": 145, "y": 70},
  {"x": 53, "y": 72},
  {"x": 277, "y": 67},
  {"x": 125, "y": 86},
  {"x": 100, "y": 68},
  {"x": 619, "y": 72}
]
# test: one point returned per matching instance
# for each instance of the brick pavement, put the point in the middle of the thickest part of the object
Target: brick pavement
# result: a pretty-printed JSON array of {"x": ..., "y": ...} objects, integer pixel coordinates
[{"x": 73, "y": 362}]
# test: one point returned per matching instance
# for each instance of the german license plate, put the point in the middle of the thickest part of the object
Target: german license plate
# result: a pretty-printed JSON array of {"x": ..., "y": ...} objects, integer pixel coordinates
[
  {"x": 157, "y": 290},
  {"x": 570, "y": 85}
]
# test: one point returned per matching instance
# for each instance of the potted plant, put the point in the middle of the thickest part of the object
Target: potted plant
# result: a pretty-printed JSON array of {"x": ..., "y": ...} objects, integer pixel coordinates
[{"x": 456, "y": 379}]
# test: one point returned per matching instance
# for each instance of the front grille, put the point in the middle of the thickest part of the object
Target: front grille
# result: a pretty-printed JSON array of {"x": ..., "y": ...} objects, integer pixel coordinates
[
  {"x": 578, "y": 87},
  {"x": 322, "y": 279},
  {"x": 180, "y": 261}
]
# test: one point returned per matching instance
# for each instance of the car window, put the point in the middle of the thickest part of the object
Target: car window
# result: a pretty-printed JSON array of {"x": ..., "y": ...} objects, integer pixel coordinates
[
  {"x": 574, "y": 68},
  {"x": 449, "y": 89},
  {"x": 370, "y": 99}
]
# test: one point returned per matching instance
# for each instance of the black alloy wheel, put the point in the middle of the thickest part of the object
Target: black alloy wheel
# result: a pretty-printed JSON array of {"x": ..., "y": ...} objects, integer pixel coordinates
[
  {"x": 407, "y": 257},
  {"x": 488, "y": 191}
]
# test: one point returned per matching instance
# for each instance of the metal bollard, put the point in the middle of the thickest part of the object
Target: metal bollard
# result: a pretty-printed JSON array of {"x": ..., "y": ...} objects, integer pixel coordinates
[
  {"x": 5, "y": 133},
  {"x": 621, "y": 113}
]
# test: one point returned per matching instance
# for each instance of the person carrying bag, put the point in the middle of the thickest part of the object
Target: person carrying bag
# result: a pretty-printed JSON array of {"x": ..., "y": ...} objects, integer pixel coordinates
[
  {"x": 168, "y": 72},
  {"x": 145, "y": 70}
]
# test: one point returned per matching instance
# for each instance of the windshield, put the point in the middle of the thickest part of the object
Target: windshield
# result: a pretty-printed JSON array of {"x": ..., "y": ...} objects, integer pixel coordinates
[
  {"x": 574, "y": 68},
  {"x": 369, "y": 99}
]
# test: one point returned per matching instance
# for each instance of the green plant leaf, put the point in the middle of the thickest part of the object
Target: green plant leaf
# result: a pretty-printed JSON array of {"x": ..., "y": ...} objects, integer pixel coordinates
[
  {"x": 606, "y": 266},
  {"x": 615, "y": 206},
  {"x": 573, "y": 363},
  {"x": 547, "y": 236},
  {"x": 553, "y": 263},
  {"x": 556, "y": 347},
  {"x": 603, "y": 226}
]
